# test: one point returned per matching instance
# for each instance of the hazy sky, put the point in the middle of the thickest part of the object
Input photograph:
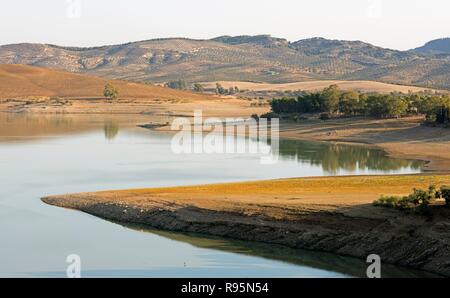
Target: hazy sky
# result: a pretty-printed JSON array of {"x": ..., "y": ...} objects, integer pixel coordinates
[{"x": 399, "y": 24}]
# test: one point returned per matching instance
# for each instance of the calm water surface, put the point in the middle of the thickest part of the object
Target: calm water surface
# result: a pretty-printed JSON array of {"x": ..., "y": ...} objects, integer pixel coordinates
[{"x": 45, "y": 155}]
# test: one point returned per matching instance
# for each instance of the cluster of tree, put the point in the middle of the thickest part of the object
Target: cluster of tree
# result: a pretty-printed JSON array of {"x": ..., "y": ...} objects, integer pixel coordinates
[
  {"x": 223, "y": 91},
  {"x": 349, "y": 103},
  {"x": 180, "y": 85},
  {"x": 198, "y": 87},
  {"x": 418, "y": 201}
]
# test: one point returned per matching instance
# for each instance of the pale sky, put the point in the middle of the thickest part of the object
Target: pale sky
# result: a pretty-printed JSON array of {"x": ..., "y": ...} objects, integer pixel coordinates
[{"x": 397, "y": 24}]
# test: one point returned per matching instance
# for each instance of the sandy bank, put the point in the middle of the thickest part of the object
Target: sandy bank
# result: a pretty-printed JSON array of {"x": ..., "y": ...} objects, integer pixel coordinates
[{"x": 325, "y": 214}]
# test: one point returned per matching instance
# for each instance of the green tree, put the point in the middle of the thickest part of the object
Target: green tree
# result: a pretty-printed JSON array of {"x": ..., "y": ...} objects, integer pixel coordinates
[
  {"x": 396, "y": 107},
  {"x": 331, "y": 97},
  {"x": 179, "y": 84},
  {"x": 350, "y": 103},
  {"x": 220, "y": 89},
  {"x": 445, "y": 192},
  {"x": 387, "y": 106},
  {"x": 198, "y": 87},
  {"x": 110, "y": 92}
]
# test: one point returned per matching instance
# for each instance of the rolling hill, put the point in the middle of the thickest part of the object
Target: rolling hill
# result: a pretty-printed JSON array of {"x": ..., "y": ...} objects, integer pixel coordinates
[
  {"x": 363, "y": 86},
  {"x": 22, "y": 81},
  {"x": 240, "y": 58},
  {"x": 32, "y": 89}
]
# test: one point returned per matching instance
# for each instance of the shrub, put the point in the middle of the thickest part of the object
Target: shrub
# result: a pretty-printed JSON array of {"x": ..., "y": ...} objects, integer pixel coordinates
[
  {"x": 270, "y": 115},
  {"x": 324, "y": 116},
  {"x": 255, "y": 116},
  {"x": 198, "y": 87},
  {"x": 110, "y": 92},
  {"x": 180, "y": 85},
  {"x": 445, "y": 193},
  {"x": 220, "y": 89},
  {"x": 295, "y": 117},
  {"x": 388, "y": 201},
  {"x": 418, "y": 201}
]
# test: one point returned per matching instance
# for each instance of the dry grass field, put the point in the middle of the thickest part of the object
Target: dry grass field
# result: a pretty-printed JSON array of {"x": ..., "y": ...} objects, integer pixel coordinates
[
  {"x": 333, "y": 214},
  {"x": 274, "y": 198},
  {"x": 40, "y": 90},
  {"x": 363, "y": 86},
  {"x": 20, "y": 81}
]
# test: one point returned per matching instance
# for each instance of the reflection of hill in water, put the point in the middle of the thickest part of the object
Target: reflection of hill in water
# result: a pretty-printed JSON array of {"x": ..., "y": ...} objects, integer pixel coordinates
[
  {"x": 32, "y": 127},
  {"x": 335, "y": 157},
  {"x": 320, "y": 260}
]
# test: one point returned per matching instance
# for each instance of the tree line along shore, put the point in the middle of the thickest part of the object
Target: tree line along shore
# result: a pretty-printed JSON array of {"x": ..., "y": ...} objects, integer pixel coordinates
[{"x": 333, "y": 102}]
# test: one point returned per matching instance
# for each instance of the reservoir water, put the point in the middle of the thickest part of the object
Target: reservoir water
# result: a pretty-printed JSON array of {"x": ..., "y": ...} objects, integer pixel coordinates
[{"x": 44, "y": 155}]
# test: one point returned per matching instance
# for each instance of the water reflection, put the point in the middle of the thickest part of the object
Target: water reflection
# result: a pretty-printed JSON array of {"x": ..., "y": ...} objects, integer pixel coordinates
[
  {"x": 111, "y": 129},
  {"x": 334, "y": 158},
  {"x": 36, "y": 126},
  {"x": 57, "y": 154},
  {"x": 321, "y": 260}
]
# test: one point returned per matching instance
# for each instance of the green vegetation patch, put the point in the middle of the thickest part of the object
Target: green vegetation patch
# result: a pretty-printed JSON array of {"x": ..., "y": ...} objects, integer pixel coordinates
[
  {"x": 334, "y": 102},
  {"x": 418, "y": 201}
]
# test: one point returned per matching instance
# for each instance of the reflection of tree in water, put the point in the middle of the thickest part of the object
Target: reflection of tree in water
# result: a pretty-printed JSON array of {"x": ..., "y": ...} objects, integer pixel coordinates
[
  {"x": 111, "y": 129},
  {"x": 336, "y": 157}
]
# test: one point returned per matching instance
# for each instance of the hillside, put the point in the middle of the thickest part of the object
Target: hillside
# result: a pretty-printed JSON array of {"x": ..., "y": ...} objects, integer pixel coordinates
[
  {"x": 363, "y": 86},
  {"x": 39, "y": 90},
  {"x": 21, "y": 81},
  {"x": 435, "y": 47},
  {"x": 240, "y": 58}
]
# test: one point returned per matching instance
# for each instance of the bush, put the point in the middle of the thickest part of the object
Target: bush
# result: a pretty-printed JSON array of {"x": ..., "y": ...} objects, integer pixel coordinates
[
  {"x": 255, "y": 116},
  {"x": 391, "y": 201},
  {"x": 295, "y": 117},
  {"x": 418, "y": 201},
  {"x": 198, "y": 87},
  {"x": 445, "y": 193},
  {"x": 110, "y": 92},
  {"x": 270, "y": 115},
  {"x": 324, "y": 116},
  {"x": 180, "y": 85}
]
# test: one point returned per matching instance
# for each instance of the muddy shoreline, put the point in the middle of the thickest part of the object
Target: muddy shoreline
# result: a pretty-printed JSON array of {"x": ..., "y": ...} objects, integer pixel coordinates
[{"x": 355, "y": 230}]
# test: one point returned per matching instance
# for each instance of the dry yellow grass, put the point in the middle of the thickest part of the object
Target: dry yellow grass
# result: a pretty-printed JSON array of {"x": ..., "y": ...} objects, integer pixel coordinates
[
  {"x": 364, "y": 86},
  {"x": 274, "y": 198},
  {"x": 29, "y": 89},
  {"x": 333, "y": 214},
  {"x": 22, "y": 81}
]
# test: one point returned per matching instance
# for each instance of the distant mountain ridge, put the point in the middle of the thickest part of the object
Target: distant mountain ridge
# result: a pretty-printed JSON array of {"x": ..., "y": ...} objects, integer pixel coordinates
[
  {"x": 260, "y": 58},
  {"x": 435, "y": 47}
]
